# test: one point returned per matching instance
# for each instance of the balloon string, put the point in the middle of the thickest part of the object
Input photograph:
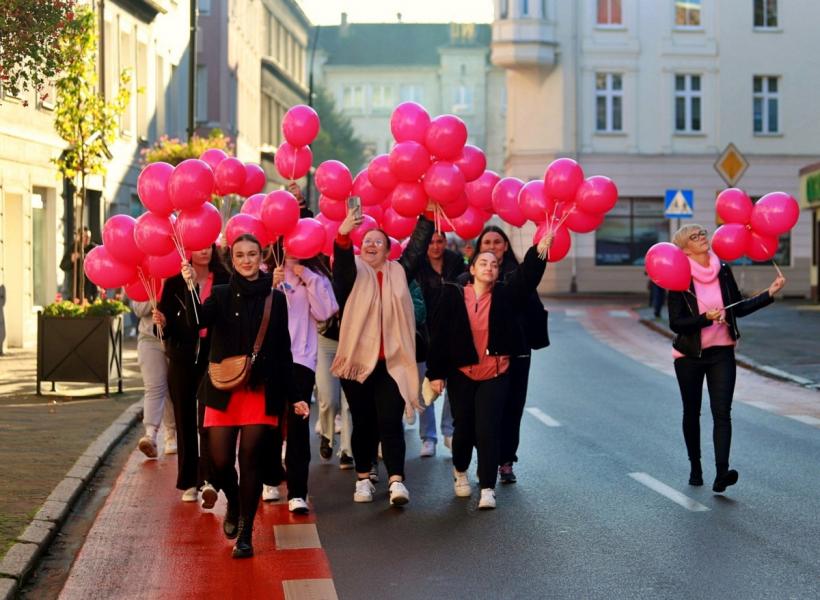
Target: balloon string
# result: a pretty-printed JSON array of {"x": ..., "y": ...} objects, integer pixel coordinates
[
  {"x": 147, "y": 284},
  {"x": 191, "y": 287},
  {"x": 445, "y": 217}
]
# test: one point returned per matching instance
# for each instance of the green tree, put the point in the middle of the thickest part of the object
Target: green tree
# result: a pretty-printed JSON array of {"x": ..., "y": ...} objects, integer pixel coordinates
[
  {"x": 336, "y": 139},
  {"x": 82, "y": 117},
  {"x": 30, "y": 54}
]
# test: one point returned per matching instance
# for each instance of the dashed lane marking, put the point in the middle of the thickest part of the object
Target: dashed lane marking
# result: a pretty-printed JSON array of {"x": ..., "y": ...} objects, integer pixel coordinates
[
  {"x": 621, "y": 314},
  {"x": 296, "y": 537},
  {"x": 668, "y": 492},
  {"x": 808, "y": 420},
  {"x": 575, "y": 312},
  {"x": 309, "y": 589},
  {"x": 543, "y": 417}
]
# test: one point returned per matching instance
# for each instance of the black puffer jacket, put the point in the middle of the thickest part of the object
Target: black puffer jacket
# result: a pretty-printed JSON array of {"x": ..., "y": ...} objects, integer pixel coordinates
[
  {"x": 686, "y": 320},
  {"x": 431, "y": 281}
]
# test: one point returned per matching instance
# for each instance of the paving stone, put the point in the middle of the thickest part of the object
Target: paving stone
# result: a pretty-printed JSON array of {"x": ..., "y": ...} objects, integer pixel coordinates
[
  {"x": 8, "y": 588},
  {"x": 67, "y": 490},
  {"x": 37, "y": 532},
  {"x": 52, "y": 511},
  {"x": 83, "y": 473},
  {"x": 19, "y": 560}
]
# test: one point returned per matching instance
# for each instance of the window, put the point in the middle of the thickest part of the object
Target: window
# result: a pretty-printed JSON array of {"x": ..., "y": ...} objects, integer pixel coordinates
[
  {"x": 525, "y": 8},
  {"x": 204, "y": 7},
  {"x": 504, "y": 9},
  {"x": 382, "y": 97},
  {"x": 353, "y": 97},
  {"x": 142, "y": 90},
  {"x": 266, "y": 118},
  {"x": 463, "y": 99},
  {"x": 608, "y": 102},
  {"x": 47, "y": 96},
  {"x": 158, "y": 123},
  {"x": 629, "y": 230},
  {"x": 687, "y": 13},
  {"x": 609, "y": 12},
  {"x": 39, "y": 246},
  {"x": 127, "y": 51},
  {"x": 766, "y": 13},
  {"x": 411, "y": 93},
  {"x": 201, "y": 93},
  {"x": 272, "y": 34},
  {"x": 764, "y": 102},
  {"x": 687, "y": 103}
]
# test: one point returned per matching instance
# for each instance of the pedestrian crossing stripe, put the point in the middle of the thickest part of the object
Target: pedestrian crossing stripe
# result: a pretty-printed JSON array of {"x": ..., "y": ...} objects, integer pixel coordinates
[{"x": 679, "y": 203}]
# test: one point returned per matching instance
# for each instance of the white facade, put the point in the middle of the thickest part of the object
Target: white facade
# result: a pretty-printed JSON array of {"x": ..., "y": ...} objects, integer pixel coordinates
[{"x": 650, "y": 93}]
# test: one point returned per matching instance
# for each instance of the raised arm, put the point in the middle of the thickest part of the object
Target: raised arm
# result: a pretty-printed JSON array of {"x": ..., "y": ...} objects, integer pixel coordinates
[
  {"x": 417, "y": 247},
  {"x": 321, "y": 298}
]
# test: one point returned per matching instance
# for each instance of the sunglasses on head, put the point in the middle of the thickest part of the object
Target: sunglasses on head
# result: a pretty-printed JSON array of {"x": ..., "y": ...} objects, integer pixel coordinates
[{"x": 700, "y": 234}]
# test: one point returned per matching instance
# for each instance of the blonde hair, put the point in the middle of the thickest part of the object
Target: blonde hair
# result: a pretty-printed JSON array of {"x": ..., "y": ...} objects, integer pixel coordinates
[{"x": 681, "y": 236}]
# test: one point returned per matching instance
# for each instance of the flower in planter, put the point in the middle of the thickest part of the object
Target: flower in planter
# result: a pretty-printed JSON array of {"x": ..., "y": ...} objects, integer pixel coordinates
[{"x": 99, "y": 308}]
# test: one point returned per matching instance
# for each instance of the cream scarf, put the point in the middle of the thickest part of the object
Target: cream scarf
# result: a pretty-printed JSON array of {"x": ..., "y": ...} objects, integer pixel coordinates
[{"x": 361, "y": 329}]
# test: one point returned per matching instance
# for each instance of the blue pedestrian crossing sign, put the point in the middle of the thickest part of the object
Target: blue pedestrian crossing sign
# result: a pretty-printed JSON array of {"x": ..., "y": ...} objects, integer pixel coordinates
[{"x": 680, "y": 204}]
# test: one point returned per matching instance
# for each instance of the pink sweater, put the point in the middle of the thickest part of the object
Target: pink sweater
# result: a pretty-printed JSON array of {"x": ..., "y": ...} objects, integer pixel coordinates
[{"x": 707, "y": 290}]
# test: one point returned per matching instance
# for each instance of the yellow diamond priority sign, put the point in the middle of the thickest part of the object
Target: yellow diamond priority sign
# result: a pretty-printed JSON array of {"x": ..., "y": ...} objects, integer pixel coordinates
[{"x": 731, "y": 165}]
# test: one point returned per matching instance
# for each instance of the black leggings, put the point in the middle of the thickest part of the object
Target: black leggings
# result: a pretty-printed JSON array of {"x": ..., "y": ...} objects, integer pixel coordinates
[
  {"x": 519, "y": 375},
  {"x": 253, "y": 443},
  {"x": 477, "y": 407},
  {"x": 717, "y": 364}
]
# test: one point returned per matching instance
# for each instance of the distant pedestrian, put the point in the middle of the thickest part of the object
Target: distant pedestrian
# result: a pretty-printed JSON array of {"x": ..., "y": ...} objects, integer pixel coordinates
[
  {"x": 474, "y": 337},
  {"x": 705, "y": 347},
  {"x": 657, "y": 298},
  {"x": 72, "y": 264}
]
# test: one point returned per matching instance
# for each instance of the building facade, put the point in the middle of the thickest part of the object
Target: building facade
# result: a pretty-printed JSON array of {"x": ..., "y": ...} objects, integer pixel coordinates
[{"x": 649, "y": 94}]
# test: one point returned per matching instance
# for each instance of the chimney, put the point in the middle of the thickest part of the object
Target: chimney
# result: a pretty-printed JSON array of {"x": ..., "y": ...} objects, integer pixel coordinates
[
  {"x": 344, "y": 28},
  {"x": 398, "y": 17},
  {"x": 344, "y": 19}
]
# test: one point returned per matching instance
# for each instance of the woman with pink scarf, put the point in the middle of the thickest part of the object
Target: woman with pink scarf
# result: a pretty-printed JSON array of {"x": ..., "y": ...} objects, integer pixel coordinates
[{"x": 705, "y": 347}]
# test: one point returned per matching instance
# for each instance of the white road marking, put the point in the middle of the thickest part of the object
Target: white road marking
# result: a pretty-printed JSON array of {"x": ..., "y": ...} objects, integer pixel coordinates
[
  {"x": 543, "y": 417},
  {"x": 621, "y": 314},
  {"x": 295, "y": 537},
  {"x": 808, "y": 420},
  {"x": 309, "y": 589},
  {"x": 668, "y": 492},
  {"x": 575, "y": 312}
]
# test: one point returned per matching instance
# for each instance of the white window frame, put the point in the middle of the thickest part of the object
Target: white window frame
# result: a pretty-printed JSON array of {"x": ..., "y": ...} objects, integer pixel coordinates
[
  {"x": 411, "y": 92},
  {"x": 765, "y": 96},
  {"x": 382, "y": 97},
  {"x": 688, "y": 95},
  {"x": 463, "y": 100},
  {"x": 201, "y": 112},
  {"x": 504, "y": 9},
  {"x": 525, "y": 8},
  {"x": 609, "y": 23},
  {"x": 765, "y": 6},
  {"x": 609, "y": 93},
  {"x": 689, "y": 6},
  {"x": 357, "y": 93}
]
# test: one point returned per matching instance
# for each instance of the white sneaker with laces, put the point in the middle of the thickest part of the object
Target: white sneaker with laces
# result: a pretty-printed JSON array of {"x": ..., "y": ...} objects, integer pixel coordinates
[
  {"x": 270, "y": 493},
  {"x": 399, "y": 496},
  {"x": 148, "y": 446},
  {"x": 298, "y": 506},
  {"x": 461, "y": 484},
  {"x": 171, "y": 443},
  {"x": 189, "y": 495},
  {"x": 364, "y": 491},
  {"x": 487, "y": 500},
  {"x": 209, "y": 495},
  {"x": 428, "y": 448}
]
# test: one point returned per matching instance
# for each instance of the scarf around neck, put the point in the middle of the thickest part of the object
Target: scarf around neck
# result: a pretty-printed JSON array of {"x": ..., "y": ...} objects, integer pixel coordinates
[
  {"x": 258, "y": 287},
  {"x": 708, "y": 274}
]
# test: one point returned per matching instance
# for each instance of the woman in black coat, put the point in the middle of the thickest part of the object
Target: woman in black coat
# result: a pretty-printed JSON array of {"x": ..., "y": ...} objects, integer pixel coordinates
[
  {"x": 474, "y": 336},
  {"x": 234, "y": 314}
]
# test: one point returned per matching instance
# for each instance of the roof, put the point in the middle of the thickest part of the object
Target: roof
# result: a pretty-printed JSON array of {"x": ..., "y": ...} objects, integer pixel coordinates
[{"x": 397, "y": 43}]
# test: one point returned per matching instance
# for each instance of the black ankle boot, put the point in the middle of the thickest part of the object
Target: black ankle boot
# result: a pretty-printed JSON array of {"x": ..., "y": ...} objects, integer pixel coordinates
[
  {"x": 724, "y": 479},
  {"x": 695, "y": 473},
  {"x": 244, "y": 545},
  {"x": 229, "y": 525}
]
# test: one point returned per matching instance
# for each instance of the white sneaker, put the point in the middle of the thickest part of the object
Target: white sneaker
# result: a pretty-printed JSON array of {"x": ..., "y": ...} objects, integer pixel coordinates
[
  {"x": 189, "y": 495},
  {"x": 428, "y": 448},
  {"x": 448, "y": 441},
  {"x": 148, "y": 446},
  {"x": 399, "y": 496},
  {"x": 209, "y": 495},
  {"x": 364, "y": 491},
  {"x": 461, "y": 484},
  {"x": 171, "y": 443},
  {"x": 298, "y": 506},
  {"x": 270, "y": 493},
  {"x": 337, "y": 424},
  {"x": 487, "y": 500}
]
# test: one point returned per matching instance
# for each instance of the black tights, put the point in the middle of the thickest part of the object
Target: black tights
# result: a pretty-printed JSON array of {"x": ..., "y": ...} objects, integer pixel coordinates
[{"x": 253, "y": 446}]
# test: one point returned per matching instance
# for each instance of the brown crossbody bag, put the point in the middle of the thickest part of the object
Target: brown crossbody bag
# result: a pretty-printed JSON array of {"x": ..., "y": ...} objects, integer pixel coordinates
[{"x": 233, "y": 372}]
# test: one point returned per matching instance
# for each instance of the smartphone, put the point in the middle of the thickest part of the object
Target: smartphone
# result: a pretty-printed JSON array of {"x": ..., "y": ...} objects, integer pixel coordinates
[{"x": 355, "y": 203}]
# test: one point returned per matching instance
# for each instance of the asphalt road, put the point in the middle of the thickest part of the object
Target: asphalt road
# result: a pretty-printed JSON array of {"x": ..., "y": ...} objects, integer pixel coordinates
[{"x": 583, "y": 521}]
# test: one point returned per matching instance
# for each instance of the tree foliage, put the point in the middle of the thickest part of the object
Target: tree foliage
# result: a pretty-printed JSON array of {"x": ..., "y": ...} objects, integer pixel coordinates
[
  {"x": 30, "y": 53},
  {"x": 336, "y": 139}
]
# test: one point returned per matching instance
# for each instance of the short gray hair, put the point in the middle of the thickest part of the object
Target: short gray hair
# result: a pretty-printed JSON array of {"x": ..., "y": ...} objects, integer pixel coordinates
[{"x": 681, "y": 236}]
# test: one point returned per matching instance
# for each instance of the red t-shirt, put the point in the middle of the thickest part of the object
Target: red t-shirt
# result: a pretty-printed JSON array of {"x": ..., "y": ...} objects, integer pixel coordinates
[{"x": 478, "y": 310}]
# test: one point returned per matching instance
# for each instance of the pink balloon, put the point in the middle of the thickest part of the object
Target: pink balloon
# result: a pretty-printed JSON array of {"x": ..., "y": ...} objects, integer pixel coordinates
[
  {"x": 334, "y": 180},
  {"x": 379, "y": 173},
  {"x": 775, "y": 214},
  {"x": 280, "y": 212},
  {"x": 213, "y": 156},
  {"x": 357, "y": 234},
  {"x": 731, "y": 240},
  {"x": 444, "y": 182},
  {"x": 255, "y": 180},
  {"x": 369, "y": 193},
  {"x": 534, "y": 205},
  {"x": 335, "y": 210},
  {"x": 505, "y": 201},
  {"x": 243, "y": 223},
  {"x": 446, "y": 137},
  {"x": 118, "y": 237},
  {"x": 163, "y": 267},
  {"x": 480, "y": 192},
  {"x": 409, "y": 122},
  {"x": 253, "y": 205},
  {"x": 331, "y": 230},
  {"x": 562, "y": 179},
  {"x": 580, "y": 221},
  {"x": 561, "y": 243},
  {"x": 105, "y": 270},
  {"x": 152, "y": 188},
  {"x": 761, "y": 247},
  {"x": 377, "y": 212},
  {"x": 199, "y": 227},
  {"x": 300, "y": 125},
  {"x": 409, "y": 161},
  {"x": 668, "y": 267},
  {"x": 472, "y": 162},
  {"x": 598, "y": 194},
  {"x": 229, "y": 176},
  {"x": 293, "y": 162},
  {"x": 396, "y": 249},
  {"x": 733, "y": 205},
  {"x": 153, "y": 234},
  {"x": 396, "y": 225},
  {"x": 456, "y": 208},
  {"x": 136, "y": 290},
  {"x": 470, "y": 224},
  {"x": 409, "y": 199},
  {"x": 306, "y": 239},
  {"x": 191, "y": 184}
]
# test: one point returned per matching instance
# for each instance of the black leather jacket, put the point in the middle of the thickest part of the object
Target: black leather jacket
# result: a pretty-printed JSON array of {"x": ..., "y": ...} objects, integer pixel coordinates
[
  {"x": 431, "y": 281},
  {"x": 686, "y": 320}
]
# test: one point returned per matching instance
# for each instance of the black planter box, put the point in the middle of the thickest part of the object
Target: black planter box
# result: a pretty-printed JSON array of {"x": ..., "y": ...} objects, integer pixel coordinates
[{"x": 86, "y": 349}]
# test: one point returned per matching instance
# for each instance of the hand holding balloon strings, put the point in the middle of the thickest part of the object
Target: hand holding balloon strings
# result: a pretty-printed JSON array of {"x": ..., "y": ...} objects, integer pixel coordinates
[
  {"x": 149, "y": 284},
  {"x": 189, "y": 275}
]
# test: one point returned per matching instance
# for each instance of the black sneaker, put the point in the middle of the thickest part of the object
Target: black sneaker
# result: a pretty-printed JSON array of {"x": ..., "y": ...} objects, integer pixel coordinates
[
  {"x": 345, "y": 462},
  {"x": 325, "y": 451},
  {"x": 505, "y": 473}
]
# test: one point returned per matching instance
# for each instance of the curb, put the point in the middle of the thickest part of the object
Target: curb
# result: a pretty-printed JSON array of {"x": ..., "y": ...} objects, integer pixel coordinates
[
  {"x": 23, "y": 555},
  {"x": 745, "y": 361}
]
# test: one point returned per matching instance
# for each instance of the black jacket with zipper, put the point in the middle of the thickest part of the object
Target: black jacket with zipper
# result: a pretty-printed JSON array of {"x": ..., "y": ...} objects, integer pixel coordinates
[
  {"x": 452, "y": 345},
  {"x": 431, "y": 281},
  {"x": 686, "y": 319}
]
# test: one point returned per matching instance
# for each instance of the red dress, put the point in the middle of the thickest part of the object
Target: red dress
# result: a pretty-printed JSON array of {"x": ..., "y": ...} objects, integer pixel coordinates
[{"x": 246, "y": 407}]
